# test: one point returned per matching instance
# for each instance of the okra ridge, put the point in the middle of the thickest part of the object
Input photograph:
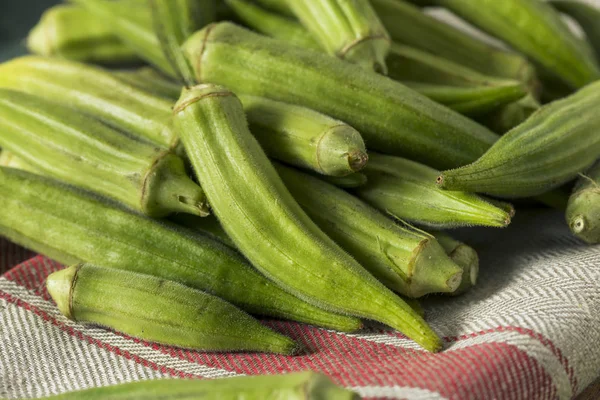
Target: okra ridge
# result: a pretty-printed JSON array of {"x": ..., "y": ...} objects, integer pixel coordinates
[{"x": 181, "y": 105}]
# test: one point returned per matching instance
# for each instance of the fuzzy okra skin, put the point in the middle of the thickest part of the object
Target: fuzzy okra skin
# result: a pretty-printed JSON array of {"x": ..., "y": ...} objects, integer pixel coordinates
[
  {"x": 407, "y": 190},
  {"x": 44, "y": 214},
  {"x": 76, "y": 148},
  {"x": 464, "y": 256},
  {"x": 586, "y": 15},
  {"x": 583, "y": 209},
  {"x": 535, "y": 29},
  {"x": 305, "y": 385},
  {"x": 556, "y": 143},
  {"x": 269, "y": 227},
  {"x": 179, "y": 316},
  {"x": 405, "y": 260},
  {"x": 391, "y": 117},
  {"x": 73, "y": 33}
]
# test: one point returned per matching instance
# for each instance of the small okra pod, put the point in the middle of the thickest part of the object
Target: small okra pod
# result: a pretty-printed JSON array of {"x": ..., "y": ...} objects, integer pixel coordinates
[
  {"x": 464, "y": 256},
  {"x": 72, "y": 226},
  {"x": 404, "y": 259},
  {"x": 556, "y": 143},
  {"x": 535, "y": 29},
  {"x": 76, "y": 148},
  {"x": 267, "y": 225},
  {"x": 348, "y": 29},
  {"x": 73, "y": 33},
  {"x": 305, "y": 138},
  {"x": 406, "y": 190},
  {"x": 391, "y": 117},
  {"x": 150, "y": 80},
  {"x": 158, "y": 310},
  {"x": 583, "y": 209},
  {"x": 587, "y": 16},
  {"x": 305, "y": 385}
]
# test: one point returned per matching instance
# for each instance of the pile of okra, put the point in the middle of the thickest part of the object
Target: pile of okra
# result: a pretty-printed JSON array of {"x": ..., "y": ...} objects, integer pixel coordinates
[{"x": 200, "y": 163}]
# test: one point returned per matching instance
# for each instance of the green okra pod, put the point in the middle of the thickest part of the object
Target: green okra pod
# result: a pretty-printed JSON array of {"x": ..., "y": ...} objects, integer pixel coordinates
[
  {"x": 583, "y": 209},
  {"x": 506, "y": 118},
  {"x": 407, "y": 190},
  {"x": 535, "y": 29},
  {"x": 404, "y": 259},
  {"x": 390, "y": 117},
  {"x": 556, "y": 143},
  {"x": 8, "y": 159},
  {"x": 305, "y": 385},
  {"x": 586, "y": 15},
  {"x": 464, "y": 256},
  {"x": 268, "y": 226},
  {"x": 73, "y": 33},
  {"x": 150, "y": 80},
  {"x": 82, "y": 151},
  {"x": 179, "y": 316},
  {"x": 75, "y": 226}
]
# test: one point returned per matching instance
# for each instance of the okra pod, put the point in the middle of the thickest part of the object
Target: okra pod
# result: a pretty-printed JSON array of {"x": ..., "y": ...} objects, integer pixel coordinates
[
  {"x": 152, "y": 81},
  {"x": 547, "y": 150},
  {"x": 305, "y": 385},
  {"x": 406, "y": 190},
  {"x": 179, "y": 316},
  {"x": 464, "y": 256},
  {"x": 535, "y": 29},
  {"x": 511, "y": 115},
  {"x": 78, "y": 227},
  {"x": 390, "y": 117},
  {"x": 583, "y": 209},
  {"x": 587, "y": 16},
  {"x": 73, "y": 33},
  {"x": 8, "y": 159},
  {"x": 404, "y": 259},
  {"x": 82, "y": 151},
  {"x": 268, "y": 226}
]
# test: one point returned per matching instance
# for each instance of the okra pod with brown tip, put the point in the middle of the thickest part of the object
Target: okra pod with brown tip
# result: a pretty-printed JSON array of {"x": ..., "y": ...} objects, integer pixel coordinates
[
  {"x": 464, "y": 256},
  {"x": 406, "y": 190},
  {"x": 390, "y": 117},
  {"x": 583, "y": 209},
  {"x": 556, "y": 143},
  {"x": 178, "y": 316},
  {"x": 586, "y": 15},
  {"x": 269, "y": 227},
  {"x": 71, "y": 226},
  {"x": 73, "y": 33}
]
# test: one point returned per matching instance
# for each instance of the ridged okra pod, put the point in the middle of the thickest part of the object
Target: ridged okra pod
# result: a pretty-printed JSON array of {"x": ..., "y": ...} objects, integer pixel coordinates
[
  {"x": 73, "y": 33},
  {"x": 390, "y": 117},
  {"x": 348, "y": 29},
  {"x": 587, "y": 16},
  {"x": 464, "y": 256},
  {"x": 158, "y": 310},
  {"x": 268, "y": 226},
  {"x": 583, "y": 210},
  {"x": 556, "y": 143},
  {"x": 305, "y": 385},
  {"x": 406, "y": 190},
  {"x": 535, "y": 29},
  {"x": 150, "y": 80},
  {"x": 79, "y": 227},
  {"x": 404, "y": 259}
]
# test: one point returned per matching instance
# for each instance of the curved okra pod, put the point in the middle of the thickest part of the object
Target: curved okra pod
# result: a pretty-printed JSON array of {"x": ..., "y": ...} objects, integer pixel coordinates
[
  {"x": 390, "y": 117},
  {"x": 306, "y": 385},
  {"x": 178, "y": 316},
  {"x": 536, "y": 30},
  {"x": 583, "y": 210},
  {"x": 80, "y": 150},
  {"x": 73, "y": 33},
  {"x": 404, "y": 259},
  {"x": 586, "y": 15},
  {"x": 406, "y": 190},
  {"x": 464, "y": 256},
  {"x": 547, "y": 150},
  {"x": 74, "y": 226},
  {"x": 269, "y": 227}
]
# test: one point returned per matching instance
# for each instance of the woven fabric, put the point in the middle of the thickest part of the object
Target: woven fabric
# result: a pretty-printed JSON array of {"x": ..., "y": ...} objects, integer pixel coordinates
[{"x": 528, "y": 330}]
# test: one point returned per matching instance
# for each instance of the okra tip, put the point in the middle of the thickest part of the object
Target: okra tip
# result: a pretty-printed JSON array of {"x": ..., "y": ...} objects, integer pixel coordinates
[
  {"x": 433, "y": 270},
  {"x": 196, "y": 93},
  {"x": 466, "y": 257},
  {"x": 341, "y": 151},
  {"x": 37, "y": 41},
  {"x": 583, "y": 215},
  {"x": 60, "y": 285}
]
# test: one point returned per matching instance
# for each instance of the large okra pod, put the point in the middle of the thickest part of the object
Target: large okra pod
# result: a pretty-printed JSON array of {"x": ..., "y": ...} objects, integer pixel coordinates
[
  {"x": 268, "y": 226},
  {"x": 586, "y": 15},
  {"x": 583, "y": 210},
  {"x": 348, "y": 29},
  {"x": 306, "y": 385},
  {"x": 159, "y": 310},
  {"x": 391, "y": 117},
  {"x": 406, "y": 190},
  {"x": 404, "y": 259},
  {"x": 80, "y": 150},
  {"x": 536, "y": 30},
  {"x": 73, "y": 33},
  {"x": 78, "y": 227},
  {"x": 464, "y": 256},
  {"x": 549, "y": 149}
]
